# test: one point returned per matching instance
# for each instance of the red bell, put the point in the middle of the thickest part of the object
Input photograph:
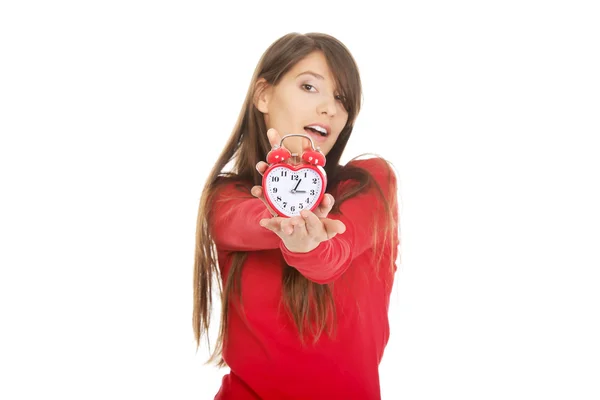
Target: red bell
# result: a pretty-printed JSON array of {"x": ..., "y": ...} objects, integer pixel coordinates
[
  {"x": 278, "y": 154},
  {"x": 314, "y": 157}
]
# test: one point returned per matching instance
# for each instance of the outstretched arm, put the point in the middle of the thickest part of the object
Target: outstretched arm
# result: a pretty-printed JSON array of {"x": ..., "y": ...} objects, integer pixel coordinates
[
  {"x": 323, "y": 257},
  {"x": 234, "y": 221}
]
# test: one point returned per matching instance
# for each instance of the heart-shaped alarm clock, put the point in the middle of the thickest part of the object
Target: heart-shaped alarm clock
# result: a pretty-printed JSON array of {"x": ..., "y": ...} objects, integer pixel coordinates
[{"x": 290, "y": 188}]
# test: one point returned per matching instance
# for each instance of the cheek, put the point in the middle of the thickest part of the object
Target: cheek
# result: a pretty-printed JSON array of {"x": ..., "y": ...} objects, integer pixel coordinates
[
  {"x": 340, "y": 124},
  {"x": 331, "y": 142},
  {"x": 288, "y": 109}
]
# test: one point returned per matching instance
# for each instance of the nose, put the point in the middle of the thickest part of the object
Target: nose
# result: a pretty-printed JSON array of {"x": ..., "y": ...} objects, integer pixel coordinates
[{"x": 327, "y": 106}]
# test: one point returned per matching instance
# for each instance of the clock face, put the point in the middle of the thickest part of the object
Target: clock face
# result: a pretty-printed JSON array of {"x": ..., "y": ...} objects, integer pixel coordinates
[{"x": 290, "y": 191}]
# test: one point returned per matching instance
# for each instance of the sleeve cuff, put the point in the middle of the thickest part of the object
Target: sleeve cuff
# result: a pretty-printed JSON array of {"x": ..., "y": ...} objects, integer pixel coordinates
[
  {"x": 319, "y": 265},
  {"x": 301, "y": 258}
]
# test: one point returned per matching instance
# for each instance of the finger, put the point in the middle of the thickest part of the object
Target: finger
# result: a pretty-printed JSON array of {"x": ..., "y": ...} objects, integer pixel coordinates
[
  {"x": 333, "y": 227},
  {"x": 274, "y": 137},
  {"x": 273, "y": 224},
  {"x": 325, "y": 206},
  {"x": 299, "y": 225},
  {"x": 285, "y": 227},
  {"x": 314, "y": 226},
  {"x": 293, "y": 225},
  {"x": 261, "y": 167},
  {"x": 257, "y": 191}
]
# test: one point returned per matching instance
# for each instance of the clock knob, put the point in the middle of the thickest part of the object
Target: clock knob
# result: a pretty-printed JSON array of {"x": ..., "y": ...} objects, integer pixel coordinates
[
  {"x": 278, "y": 154},
  {"x": 314, "y": 157}
]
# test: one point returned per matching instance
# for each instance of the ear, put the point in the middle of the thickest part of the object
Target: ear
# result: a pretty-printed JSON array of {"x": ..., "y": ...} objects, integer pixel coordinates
[{"x": 262, "y": 95}]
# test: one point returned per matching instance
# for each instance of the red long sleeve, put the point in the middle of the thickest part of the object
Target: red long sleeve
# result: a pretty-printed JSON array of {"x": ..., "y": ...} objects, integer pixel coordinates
[
  {"x": 331, "y": 258},
  {"x": 235, "y": 218},
  {"x": 262, "y": 347}
]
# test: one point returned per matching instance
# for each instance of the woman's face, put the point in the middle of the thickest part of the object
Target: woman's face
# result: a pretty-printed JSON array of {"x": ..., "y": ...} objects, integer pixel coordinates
[{"x": 305, "y": 96}]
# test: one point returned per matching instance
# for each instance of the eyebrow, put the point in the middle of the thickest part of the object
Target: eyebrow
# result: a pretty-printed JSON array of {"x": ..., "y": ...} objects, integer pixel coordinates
[{"x": 311, "y": 73}]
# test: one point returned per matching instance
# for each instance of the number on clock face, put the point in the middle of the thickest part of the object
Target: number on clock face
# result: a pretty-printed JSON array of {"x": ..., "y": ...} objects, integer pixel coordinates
[{"x": 293, "y": 191}]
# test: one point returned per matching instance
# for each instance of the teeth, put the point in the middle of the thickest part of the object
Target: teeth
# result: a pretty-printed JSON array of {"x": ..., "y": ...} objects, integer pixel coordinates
[{"x": 318, "y": 128}]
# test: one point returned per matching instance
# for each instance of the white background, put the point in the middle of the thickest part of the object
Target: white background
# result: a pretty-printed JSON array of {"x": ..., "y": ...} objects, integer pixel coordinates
[{"x": 112, "y": 112}]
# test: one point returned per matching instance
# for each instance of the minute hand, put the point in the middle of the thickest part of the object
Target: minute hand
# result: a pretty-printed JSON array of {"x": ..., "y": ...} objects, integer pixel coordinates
[{"x": 297, "y": 184}]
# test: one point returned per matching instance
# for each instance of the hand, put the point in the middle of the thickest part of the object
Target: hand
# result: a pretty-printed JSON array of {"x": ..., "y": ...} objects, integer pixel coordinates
[
  {"x": 296, "y": 229},
  {"x": 326, "y": 203},
  {"x": 301, "y": 234}
]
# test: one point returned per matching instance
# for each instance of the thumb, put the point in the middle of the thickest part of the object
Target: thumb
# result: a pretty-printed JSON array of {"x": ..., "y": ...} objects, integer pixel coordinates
[
  {"x": 274, "y": 137},
  {"x": 333, "y": 227}
]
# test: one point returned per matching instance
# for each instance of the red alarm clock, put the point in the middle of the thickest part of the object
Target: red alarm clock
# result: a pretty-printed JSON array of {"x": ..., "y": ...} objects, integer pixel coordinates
[{"x": 290, "y": 188}]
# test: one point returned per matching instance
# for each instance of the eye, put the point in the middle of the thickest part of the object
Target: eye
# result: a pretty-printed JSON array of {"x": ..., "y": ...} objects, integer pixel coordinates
[
  {"x": 342, "y": 99},
  {"x": 305, "y": 85}
]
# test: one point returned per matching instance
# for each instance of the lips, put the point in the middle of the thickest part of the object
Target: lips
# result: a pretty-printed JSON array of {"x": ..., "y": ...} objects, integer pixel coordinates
[
  {"x": 319, "y": 128},
  {"x": 315, "y": 135}
]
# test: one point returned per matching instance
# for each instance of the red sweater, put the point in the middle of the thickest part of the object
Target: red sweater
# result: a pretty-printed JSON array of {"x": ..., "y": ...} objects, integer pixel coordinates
[{"x": 262, "y": 348}]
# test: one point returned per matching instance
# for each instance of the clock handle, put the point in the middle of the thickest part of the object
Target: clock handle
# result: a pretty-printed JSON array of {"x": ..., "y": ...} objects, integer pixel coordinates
[
  {"x": 312, "y": 144},
  {"x": 314, "y": 156}
]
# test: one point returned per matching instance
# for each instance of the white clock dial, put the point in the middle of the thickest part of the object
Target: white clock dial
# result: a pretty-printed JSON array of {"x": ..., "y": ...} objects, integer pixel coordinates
[{"x": 293, "y": 191}]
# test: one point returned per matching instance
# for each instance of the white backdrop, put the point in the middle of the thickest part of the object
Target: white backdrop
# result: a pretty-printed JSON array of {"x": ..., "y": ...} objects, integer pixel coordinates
[{"x": 112, "y": 112}]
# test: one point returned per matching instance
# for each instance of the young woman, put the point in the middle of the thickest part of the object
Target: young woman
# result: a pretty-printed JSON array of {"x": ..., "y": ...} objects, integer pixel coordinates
[{"x": 304, "y": 299}]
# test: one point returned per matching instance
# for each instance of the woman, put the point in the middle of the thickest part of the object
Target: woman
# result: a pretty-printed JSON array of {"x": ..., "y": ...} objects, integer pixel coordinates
[{"x": 304, "y": 299}]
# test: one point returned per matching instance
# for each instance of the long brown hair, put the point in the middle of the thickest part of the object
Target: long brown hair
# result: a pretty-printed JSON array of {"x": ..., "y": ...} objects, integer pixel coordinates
[{"x": 309, "y": 304}]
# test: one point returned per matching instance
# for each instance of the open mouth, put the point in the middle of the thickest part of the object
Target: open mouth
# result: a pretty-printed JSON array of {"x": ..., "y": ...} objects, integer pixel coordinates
[{"x": 315, "y": 131}]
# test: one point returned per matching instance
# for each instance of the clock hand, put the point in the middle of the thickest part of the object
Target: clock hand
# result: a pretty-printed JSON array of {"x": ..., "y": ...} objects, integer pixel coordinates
[
  {"x": 297, "y": 185},
  {"x": 294, "y": 189}
]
